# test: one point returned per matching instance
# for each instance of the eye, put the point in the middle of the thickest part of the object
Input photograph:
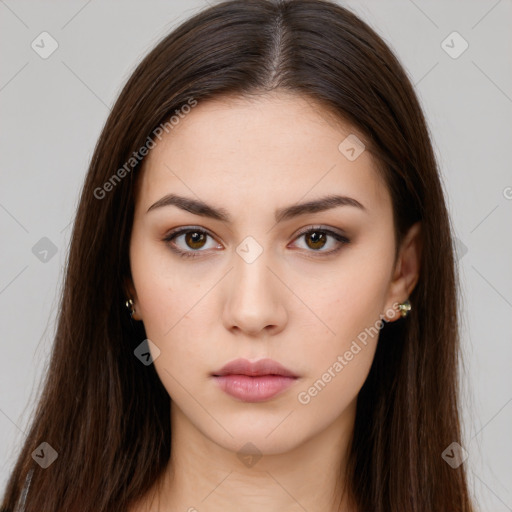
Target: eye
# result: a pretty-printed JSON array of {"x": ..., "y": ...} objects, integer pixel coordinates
[
  {"x": 317, "y": 238},
  {"x": 192, "y": 238}
]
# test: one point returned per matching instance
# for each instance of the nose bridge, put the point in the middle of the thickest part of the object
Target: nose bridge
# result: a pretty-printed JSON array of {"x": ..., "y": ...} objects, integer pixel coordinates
[
  {"x": 251, "y": 274},
  {"x": 255, "y": 300}
]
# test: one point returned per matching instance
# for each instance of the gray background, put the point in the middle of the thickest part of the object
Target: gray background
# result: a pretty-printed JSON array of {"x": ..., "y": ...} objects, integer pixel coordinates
[{"x": 52, "y": 112}]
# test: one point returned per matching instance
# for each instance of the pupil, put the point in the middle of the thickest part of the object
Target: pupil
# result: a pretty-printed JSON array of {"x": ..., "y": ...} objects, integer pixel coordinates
[
  {"x": 320, "y": 237},
  {"x": 195, "y": 237}
]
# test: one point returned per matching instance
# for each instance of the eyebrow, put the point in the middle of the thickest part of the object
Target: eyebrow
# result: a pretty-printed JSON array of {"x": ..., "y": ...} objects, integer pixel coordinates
[{"x": 203, "y": 209}]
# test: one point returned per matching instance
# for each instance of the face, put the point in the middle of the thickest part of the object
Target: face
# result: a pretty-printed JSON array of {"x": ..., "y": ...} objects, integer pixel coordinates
[{"x": 253, "y": 275}]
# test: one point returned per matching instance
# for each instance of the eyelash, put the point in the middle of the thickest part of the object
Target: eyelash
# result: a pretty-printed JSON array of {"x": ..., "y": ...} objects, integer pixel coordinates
[{"x": 194, "y": 254}]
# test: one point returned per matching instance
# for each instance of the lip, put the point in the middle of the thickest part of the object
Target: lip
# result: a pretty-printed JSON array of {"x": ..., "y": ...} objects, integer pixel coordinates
[
  {"x": 254, "y": 369},
  {"x": 254, "y": 381}
]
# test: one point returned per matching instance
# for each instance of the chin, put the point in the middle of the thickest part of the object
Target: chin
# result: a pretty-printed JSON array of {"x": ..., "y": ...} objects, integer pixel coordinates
[{"x": 262, "y": 438}]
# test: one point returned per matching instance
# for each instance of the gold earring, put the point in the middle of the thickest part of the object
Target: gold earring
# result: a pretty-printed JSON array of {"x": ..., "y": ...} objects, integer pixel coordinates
[
  {"x": 130, "y": 306},
  {"x": 404, "y": 307}
]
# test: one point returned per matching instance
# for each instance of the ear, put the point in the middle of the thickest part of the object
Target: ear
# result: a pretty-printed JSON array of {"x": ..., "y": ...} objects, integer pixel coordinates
[
  {"x": 128, "y": 288},
  {"x": 406, "y": 272},
  {"x": 130, "y": 293}
]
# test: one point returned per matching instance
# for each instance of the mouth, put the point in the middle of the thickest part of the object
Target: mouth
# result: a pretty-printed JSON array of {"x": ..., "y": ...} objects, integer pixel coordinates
[{"x": 254, "y": 382}]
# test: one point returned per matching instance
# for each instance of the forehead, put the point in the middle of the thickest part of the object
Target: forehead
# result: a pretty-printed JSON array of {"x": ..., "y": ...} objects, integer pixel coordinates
[{"x": 279, "y": 147}]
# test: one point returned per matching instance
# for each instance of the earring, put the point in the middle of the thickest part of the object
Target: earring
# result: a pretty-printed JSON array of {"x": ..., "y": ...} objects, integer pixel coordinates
[
  {"x": 404, "y": 307},
  {"x": 129, "y": 305}
]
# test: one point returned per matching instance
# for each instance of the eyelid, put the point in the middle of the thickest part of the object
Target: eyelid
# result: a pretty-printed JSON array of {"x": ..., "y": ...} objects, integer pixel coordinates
[
  {"x": 319, "y": 227},
  {"x": 341, "y": 238},
  {"x": 183, "y": 230}
]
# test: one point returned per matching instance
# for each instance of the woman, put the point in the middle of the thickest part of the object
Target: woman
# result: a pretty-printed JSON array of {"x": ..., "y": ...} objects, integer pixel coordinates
[{"x": 260, "y": 299}]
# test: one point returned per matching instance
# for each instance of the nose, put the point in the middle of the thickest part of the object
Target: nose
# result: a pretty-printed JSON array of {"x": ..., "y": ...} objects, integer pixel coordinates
[{"x": 255, "y": 300}]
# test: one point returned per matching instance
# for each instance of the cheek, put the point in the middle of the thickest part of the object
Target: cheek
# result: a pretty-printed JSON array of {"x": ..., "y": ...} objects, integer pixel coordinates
[
  {"x": 162, "y": 296},
  {"x": 340, "y": 358},
  {"x": 350, "y": 299},
  {"x": 185, "y": 352},
  {"x": 340, "y": 348},
  {"x": 330, "y": 394},
  {"x": 175, "y": 317},
  {"x": 176, "y": 320}
]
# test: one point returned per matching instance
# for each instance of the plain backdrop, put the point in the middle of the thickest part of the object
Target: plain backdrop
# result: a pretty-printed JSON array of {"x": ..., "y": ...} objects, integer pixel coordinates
[{"x": 52, "y": 110}]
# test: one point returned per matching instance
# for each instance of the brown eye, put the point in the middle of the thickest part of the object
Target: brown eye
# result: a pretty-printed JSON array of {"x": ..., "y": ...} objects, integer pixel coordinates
[
  {"x": 189, "y": 243},
  {"x": 318, "y": 239},
  {"x": 195, "y": 239}
]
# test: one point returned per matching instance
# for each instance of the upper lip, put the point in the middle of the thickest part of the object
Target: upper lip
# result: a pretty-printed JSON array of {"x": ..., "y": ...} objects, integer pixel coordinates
[{"x": 254, "y": 369}]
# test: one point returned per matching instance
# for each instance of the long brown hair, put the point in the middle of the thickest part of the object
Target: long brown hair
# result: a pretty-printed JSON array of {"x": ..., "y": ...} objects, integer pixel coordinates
[{"x": 107, "y": 415}]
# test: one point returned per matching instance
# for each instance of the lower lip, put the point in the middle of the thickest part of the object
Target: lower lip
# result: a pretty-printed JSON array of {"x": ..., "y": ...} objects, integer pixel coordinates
[{"x": 254, "y": 389}]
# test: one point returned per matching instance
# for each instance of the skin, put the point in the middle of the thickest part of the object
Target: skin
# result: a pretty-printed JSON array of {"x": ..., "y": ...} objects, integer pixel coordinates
[{"x": 251, "y": 157}]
